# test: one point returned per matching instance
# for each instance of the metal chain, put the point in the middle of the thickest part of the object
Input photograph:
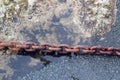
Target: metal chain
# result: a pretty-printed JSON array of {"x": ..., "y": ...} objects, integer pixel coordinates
[{"x": 61, "y": 49}]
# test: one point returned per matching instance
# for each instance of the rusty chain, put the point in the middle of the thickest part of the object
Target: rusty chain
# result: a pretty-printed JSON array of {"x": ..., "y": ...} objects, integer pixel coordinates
[{"x": 61, "y": 49}]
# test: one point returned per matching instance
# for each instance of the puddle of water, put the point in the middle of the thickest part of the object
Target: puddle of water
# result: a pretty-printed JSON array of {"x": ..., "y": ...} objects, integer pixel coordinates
[{"x": 14, "y": 66}]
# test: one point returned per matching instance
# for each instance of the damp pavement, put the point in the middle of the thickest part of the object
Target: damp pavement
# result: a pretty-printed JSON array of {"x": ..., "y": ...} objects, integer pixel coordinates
[{"x": 83, "y": 67}]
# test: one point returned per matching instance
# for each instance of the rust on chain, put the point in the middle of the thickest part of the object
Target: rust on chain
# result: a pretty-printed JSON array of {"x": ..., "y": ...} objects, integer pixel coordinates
[
  {"x": 46, "y": 47},
  {"x": 63, "y": 48},
  {"x": 83, "y": 49},
  {"x": 60, "y": 49},
  {"x": 12, "y": 45},
  {"x": 29, "y": 46}
]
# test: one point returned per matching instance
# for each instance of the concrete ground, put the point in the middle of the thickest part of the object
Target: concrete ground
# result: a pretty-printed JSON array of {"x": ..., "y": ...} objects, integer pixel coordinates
[{"x": 84, "y": 67}]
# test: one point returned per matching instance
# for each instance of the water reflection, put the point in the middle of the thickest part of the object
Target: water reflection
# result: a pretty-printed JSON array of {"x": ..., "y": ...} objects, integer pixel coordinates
[
  {"x": 5, "y": 70},
  {"x": 12, "y": 66}
]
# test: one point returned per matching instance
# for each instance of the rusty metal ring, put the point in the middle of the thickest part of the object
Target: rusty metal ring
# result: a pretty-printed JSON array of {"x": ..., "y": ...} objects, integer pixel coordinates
[
  {"x": 12, "y": 45},
  {"x": 29, "y": 46}
]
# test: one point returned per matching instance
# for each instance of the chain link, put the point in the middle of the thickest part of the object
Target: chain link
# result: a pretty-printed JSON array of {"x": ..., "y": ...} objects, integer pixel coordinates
[{"x": 59, "y": 49}]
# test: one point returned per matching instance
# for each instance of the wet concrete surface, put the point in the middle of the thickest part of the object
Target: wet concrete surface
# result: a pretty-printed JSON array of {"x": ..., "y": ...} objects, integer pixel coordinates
[
  {"x": 84, "y": 67},
  {"x": 81, "y": 67}
]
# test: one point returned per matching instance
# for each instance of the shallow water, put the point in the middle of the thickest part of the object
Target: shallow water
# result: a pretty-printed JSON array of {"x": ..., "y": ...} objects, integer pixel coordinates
[{"x": 82, "y": 67}]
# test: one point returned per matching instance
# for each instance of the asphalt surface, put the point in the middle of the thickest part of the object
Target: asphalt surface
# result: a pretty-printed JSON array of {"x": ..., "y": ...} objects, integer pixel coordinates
[
  {"x": 81, "y": 68},
  {"x": 84, "y": 67}
]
